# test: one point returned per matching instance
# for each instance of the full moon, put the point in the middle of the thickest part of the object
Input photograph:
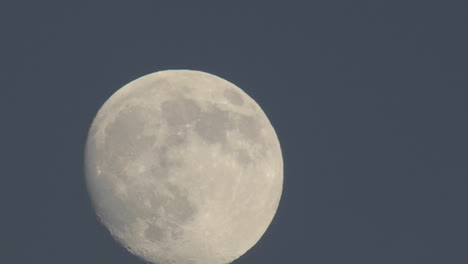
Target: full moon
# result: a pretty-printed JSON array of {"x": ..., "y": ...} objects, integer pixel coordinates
[{"x": 184, "y": 167}]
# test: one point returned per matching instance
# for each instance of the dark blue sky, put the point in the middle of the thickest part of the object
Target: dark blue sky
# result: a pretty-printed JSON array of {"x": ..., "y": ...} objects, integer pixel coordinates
[{"x": 368, "y": 98}]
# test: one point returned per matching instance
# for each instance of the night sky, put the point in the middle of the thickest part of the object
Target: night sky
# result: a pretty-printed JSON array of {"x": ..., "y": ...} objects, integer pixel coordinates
[{"x": 369, "y": 100}]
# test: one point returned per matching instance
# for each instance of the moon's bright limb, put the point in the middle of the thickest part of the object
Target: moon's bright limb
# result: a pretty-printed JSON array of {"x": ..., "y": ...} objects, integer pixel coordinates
[{"x": 184, "y": 167}]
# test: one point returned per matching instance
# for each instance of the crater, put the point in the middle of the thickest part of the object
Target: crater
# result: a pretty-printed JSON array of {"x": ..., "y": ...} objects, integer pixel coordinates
[
  {"x": 169, "y": 207},
  {"x": 174, "y": 209},
  {"x": 118, "y": 213},
  {"x": 233, "y": 97},
  {"x": 180, "y": 209},
  {"x": 156, "y": 232}
]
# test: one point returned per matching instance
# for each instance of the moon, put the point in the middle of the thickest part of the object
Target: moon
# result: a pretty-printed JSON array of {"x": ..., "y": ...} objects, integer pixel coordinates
[{"x": 183, "y": 167}]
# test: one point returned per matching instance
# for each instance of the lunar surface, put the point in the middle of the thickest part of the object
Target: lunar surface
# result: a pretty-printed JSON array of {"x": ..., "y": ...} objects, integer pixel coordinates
[{"x": 184, "y": 167}]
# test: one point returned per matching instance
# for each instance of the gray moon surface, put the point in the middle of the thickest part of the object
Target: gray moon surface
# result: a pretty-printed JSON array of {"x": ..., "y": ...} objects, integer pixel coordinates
[{"x": 184, "y": 167}]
